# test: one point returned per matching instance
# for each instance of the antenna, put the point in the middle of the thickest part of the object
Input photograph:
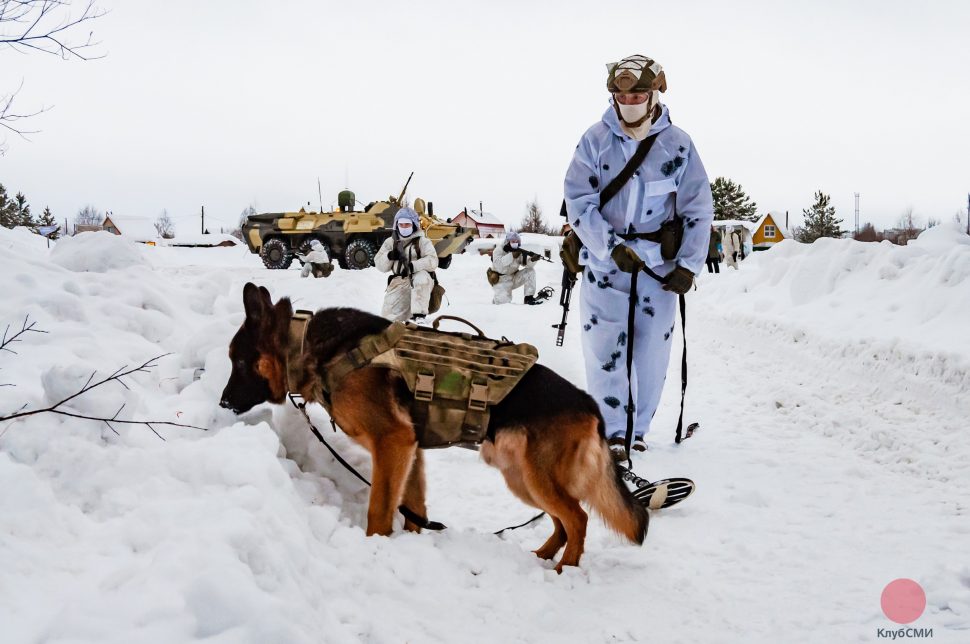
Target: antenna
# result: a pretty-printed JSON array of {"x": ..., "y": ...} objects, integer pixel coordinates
[
  {"x": 857, "y": 213},
  {"x": 320, "y": 194}
]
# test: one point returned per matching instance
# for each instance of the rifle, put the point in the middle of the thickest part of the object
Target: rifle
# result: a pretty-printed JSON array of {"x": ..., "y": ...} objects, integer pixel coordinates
[
  {"x": 535, "y": 256},
  {"x": 568, "y": 282}
]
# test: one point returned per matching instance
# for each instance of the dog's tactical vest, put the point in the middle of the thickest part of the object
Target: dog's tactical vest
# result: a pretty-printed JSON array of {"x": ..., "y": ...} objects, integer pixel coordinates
[{"x": 455, "y": 378}]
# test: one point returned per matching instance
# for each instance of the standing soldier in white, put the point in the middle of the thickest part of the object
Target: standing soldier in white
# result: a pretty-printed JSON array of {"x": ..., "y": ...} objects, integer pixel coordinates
[
  {"x": 316, "y": 261},
  {"x": 410, "y": 257},
  {"x": 669, "y": 187},
  {"x": 512, "y": 268}
]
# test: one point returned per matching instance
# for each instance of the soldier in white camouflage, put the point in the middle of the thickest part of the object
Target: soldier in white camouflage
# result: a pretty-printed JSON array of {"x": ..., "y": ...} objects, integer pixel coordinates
[
  {"x": 669, "y": 186},
  {"x": 410, "y": 257},
  {"x": 316, "y": 262},
  {"x": 512, "y": 268}
]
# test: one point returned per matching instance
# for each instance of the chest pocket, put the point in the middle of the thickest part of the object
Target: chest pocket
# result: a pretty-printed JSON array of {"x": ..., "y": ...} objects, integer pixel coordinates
[{"x": 657, "y": 188}]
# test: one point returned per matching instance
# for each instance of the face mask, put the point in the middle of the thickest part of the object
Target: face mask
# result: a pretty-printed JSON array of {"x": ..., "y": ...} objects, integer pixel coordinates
[
  {"x": 405, "y": 231},
  {"x": 633, "y": 113},
  {"x": 514, "y": 245}
]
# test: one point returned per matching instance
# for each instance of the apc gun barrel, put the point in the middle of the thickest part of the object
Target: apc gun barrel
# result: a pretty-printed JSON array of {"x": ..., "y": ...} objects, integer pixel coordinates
[{"x": 400, "y": 198}]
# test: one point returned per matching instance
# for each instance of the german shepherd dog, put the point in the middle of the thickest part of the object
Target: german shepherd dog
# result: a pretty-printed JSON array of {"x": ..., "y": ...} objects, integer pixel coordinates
[{"x": 546, "y": 436}]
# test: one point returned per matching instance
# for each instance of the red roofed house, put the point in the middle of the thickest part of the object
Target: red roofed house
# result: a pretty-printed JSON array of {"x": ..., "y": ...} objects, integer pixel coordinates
[{"x": 485, "y": 223}]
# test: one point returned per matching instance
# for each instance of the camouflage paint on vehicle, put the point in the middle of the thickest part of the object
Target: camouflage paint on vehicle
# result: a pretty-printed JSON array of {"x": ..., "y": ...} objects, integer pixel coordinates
[{"x": 339, "y": 230}]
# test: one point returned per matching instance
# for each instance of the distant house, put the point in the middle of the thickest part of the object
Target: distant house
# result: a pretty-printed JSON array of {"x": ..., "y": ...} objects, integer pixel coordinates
[
  {"x": 109, "y": 226},
  {"x": 137, "y": 229},
  {"x": 769, "y": 230},
  {"x": 485, "y": 223}
]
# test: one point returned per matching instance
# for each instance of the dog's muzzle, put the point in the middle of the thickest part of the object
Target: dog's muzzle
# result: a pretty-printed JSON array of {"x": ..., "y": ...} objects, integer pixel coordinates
[{"x": 225, "y": 404}]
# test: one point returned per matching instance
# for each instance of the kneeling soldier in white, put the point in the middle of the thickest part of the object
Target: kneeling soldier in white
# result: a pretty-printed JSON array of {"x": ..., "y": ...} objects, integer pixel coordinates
[
  {"x": 512, "y": 267},
  {"x": 316, "y": 261},
  {"x": 410, "y": 257}
]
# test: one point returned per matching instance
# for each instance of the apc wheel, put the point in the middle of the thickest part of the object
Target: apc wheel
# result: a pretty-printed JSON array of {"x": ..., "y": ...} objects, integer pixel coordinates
[
  {"x": 276, "y": 254},
  {"x": 444, "y": 262},
  {"x": 359, "y": 254}
]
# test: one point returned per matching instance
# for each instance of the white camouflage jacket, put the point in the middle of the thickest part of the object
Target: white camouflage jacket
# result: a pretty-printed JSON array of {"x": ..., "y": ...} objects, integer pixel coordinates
[{"x": 672, "y": 175}]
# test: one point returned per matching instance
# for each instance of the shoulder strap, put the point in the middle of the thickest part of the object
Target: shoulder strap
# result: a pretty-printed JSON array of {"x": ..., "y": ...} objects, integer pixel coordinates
[
  {"x": 631, "y": 166},
  {"x": 620, "y": 180}
]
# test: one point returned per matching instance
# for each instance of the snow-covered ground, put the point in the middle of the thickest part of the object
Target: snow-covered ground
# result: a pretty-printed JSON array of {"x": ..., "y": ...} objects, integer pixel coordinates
[{"x": 831, "y": 382}]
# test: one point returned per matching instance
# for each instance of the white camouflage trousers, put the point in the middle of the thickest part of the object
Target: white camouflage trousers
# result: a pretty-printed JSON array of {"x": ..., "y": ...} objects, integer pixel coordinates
[
  {"x": 604, "y": 306},
  {"x": 502, "y": 291},
  {"x": 402, "y": 300}
]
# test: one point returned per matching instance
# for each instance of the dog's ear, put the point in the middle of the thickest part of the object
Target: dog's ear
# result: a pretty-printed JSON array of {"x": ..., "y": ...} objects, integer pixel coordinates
[
  {"x": 267, "y": 300},
  {"x": 254, "y": 304},
  {"x": 282, "y": 314}
]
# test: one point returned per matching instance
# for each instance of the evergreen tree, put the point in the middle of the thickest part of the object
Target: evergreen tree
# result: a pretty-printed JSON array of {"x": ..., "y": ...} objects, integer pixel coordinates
[
  {"x": 8, "y": 209},
  {"x": 730, "y": 201},
  {"x": 47, "y": 219},
  {"x": 820, "y": 220},
  {"x": 23, "y": 216}
]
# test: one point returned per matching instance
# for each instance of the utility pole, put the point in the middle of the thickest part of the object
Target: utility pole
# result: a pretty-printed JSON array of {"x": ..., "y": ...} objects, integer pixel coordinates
[
  {"x": 203, "y": 220},
  {"x": 857, "y": 213},
  {"x": 968, "y": 213}
]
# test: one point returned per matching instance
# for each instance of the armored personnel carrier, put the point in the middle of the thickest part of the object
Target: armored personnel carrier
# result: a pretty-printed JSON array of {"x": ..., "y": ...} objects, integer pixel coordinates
[{"x": 351, "y": 236}]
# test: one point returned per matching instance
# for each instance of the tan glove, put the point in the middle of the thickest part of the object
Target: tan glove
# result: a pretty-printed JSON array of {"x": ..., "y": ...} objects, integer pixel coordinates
[
  {"x": 679, "y": 280},
  {"x": 626, "y": 259}
]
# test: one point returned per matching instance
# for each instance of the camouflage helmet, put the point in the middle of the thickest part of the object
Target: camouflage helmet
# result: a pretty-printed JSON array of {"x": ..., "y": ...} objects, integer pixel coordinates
[
  {"x": 513, "y": 237},
  {"x": 635, "y": 74}
]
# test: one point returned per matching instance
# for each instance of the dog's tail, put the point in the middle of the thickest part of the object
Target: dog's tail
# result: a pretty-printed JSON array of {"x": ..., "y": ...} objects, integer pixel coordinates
[{"x": 612, "y": 500}]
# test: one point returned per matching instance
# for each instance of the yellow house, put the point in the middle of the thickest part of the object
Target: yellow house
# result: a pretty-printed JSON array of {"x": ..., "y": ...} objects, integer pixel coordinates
[{"x": 768, "y": 231}]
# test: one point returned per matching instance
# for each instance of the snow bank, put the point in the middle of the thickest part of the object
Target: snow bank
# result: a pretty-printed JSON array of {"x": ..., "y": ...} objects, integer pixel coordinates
[
  {"x": 250, "y": 532},
  {"x": 97, "y": 252},
  {"x": 23, "y": 242},
  {"x": 910, "y": 301}
]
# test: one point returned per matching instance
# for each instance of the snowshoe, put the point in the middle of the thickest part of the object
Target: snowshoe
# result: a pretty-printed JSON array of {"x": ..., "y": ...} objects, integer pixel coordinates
[
  {"x": 545, "y": 293},
  {"x": 659, "y": 494}
]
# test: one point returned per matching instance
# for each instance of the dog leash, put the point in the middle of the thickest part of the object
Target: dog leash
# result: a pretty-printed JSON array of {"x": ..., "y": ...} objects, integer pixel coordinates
[{"x": 410, "y": 515}]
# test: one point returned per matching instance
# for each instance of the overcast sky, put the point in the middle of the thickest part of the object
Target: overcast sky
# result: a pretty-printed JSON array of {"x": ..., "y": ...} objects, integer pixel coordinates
[{"x": 229, "y": 103}]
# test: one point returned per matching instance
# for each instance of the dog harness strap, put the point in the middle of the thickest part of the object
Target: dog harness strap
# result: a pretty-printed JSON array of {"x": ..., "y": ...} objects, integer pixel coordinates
[
  {"x": 294, "y": 358},
  {"x": 478, "y": 396},
  {"x": 364, "y": 353},
  {"x": 424, "y": 387}
]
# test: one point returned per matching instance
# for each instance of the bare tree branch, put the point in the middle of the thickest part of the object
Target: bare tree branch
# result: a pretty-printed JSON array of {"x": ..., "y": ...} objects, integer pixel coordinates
[
  {"x": 8, "y": 117},
  {"x": 145, "y": 367},
  {"x": 44, "y": 26},
  {"x": 40, "y": 24},
  {"x": 26, "y": 328}
]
